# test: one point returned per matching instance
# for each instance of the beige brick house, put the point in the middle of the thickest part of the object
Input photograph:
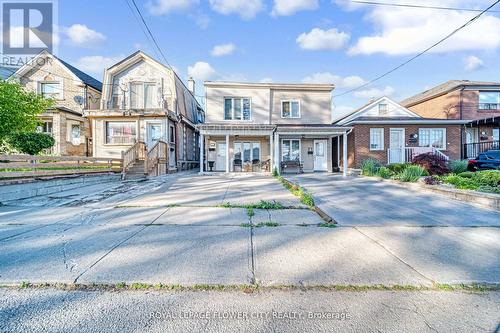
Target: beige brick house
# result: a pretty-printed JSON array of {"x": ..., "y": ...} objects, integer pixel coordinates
[
  {"x": 390, "y": 133},
  {"x": 475, "y": 101},
  {"x": 73, "y": 92}
]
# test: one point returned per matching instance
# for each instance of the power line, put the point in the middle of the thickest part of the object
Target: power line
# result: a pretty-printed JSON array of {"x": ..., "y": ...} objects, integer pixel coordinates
[
  {"x": 418, "y": 6},
  {"x": 420, "y": 53}
]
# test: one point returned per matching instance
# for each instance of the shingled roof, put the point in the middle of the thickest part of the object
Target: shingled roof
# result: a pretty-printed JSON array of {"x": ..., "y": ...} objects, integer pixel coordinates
[
  {"x": 444, "y": 88},
  {"x": 87, "y": 79}
]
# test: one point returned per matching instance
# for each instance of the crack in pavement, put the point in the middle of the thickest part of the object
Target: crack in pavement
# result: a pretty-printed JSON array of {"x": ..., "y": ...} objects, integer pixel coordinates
[
  {"x": 118, "y": 245},
  {"x": 227, "y": 189},
  {"x": 394, "y": 255},
  {"x": 252, "y": 254}
]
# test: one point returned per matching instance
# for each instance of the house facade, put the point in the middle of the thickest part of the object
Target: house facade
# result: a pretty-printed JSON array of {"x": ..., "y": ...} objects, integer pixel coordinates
[
  {"x": 73, "y": 92},
  {"x": 145, "y": 101},
  {"x": 390, "y": 133},
  {"x": 475, "y": 101},
  {"x": 267, "y": 126}
]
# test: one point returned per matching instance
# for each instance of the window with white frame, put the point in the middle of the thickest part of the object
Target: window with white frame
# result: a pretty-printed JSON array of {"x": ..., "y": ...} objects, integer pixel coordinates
[
  {"x": 383, "y": 109},
  {"x": 496, "y": 134},
  {"x": 142, "y": 95},
  {"x": 489, "y": 100},
  {"x": 376, "y": 139},
  {"x": 74, "y": 134},
  {"x": 120, "y": 132},
  {"x": 45, "y": 127},
  {"x": 432, "y": 137},
  {"x": 290, "y": 109},
  {"x": 237, "y": 108},
  {"x": 290, "y": 150},
  {"x": 51, "y": 89}
]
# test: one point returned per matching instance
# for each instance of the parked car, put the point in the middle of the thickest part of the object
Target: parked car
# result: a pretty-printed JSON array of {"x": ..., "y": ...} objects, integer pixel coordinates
[{"x": 489, "y": 160}]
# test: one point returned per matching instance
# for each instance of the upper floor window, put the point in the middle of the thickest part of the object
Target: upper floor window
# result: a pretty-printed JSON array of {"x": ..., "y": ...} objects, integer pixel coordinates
[
  {"x": 383, "y": 109},
  {"x": 489, "y": 100},
  {"x": 51, "y": 89},
  {"x": 432, "y": 137},
  {"x": 142, "y": 95},
  {"x": 290, "y": 109},
  {"x": 237, "y": 108}
]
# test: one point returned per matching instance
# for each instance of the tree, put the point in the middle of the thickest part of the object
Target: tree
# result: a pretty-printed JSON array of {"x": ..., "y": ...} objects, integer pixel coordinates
[
  {"x": 19, "y": 109},
  {"x": 31, "y": 143}
]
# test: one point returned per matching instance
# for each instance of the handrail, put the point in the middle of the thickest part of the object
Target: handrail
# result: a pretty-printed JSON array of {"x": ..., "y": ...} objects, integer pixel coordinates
[
  {"x": 158, "y": 152},
  {"x": 473, "y": 149},
  {"x": 132, "y": 154},
  {"x": 406, "y": 154}
]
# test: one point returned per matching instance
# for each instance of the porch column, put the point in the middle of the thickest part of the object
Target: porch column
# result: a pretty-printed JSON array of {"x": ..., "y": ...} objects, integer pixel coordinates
[
  {"x": 344, "y": 152},
  {"x": 338, "y": 152},
  {"x": 202, "y": 151},
  {"x": 227, "y": 153},
  {"x": 271, "y": 152},
  {"x": 277, "y": 153}
]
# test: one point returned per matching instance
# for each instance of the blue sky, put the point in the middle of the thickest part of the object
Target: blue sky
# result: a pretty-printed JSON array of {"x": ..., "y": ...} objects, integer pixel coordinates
[{"x": 289, "y": 41}]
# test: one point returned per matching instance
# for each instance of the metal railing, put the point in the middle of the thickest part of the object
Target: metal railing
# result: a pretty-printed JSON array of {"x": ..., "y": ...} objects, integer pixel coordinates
[
  {"x": 407, "y": 154},
  {"x": 472, "y": 150}
]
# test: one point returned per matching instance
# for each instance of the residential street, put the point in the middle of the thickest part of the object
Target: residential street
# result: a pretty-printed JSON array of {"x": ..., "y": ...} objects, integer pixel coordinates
[{"x": 179, "y": 230}]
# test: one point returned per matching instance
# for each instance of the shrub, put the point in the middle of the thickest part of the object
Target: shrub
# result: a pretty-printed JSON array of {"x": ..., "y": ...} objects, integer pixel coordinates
[
  {"x": 369, "y": 167},
  {"x": 431, "y": 180},
  {"x": 31, "y": 143},
  {"x": 461, "y": 182},
  {"x": 411, "y": 174},
  {"x": 488, "y": 177},
  {"x": 398, "y": 167},
  {"x": 384, "y": 172},
  {"x": 432, "y": 163},
  {"x": 466, "y": 174},
  {"x": 458, "y": 166}
]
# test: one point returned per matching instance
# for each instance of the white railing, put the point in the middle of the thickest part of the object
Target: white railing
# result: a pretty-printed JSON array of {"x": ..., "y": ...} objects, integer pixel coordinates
[{"x": 406, "y": 154}]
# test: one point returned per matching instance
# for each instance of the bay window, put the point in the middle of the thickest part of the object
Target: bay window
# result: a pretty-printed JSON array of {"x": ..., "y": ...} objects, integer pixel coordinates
[
  {"x": 120, "y": 132},
  {"x": 290, "y": 150},
  {"x": 237, "y": 108},
  {"x": 290, "y": 109},
  {"x": 376, "y": 139},
  {"x": 432, "y": 137}
]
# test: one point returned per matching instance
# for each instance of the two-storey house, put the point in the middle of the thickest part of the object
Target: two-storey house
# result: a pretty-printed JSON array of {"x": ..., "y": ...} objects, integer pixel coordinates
[
  {"x": 145, "y": 101},
  {"x": 475, "y": 101},
  {"x": 73, "y": 92},
  {"x": 268, "y": 126}
]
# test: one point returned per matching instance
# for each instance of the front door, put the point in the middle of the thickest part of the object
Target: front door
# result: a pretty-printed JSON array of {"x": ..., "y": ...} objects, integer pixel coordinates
[
  {"x": 153, "y": 134},
  {"x": 220, "y": 161},
  {"x": 396, "y": 146},
  {"x": 320, "y": 158}
]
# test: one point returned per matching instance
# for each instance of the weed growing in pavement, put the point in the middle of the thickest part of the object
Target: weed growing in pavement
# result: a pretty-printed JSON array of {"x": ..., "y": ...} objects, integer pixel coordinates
[{"x": 327, "y": 225}]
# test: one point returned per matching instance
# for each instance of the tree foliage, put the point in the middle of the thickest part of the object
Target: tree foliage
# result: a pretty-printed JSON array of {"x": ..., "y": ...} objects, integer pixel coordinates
[
  {"x": 19, "y": 109},
  {"x": 31, "y": 143}
]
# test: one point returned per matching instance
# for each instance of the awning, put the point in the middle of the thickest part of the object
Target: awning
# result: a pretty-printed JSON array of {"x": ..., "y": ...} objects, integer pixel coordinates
[
  {"x": 485, "y": 121},
  {"x": 236, "y": 129},
  {"x": 319, "y": 130}
]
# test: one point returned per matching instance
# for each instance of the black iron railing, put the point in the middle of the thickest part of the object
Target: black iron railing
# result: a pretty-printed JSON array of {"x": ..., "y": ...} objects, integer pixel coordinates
[{"x": 471, "y": 150}]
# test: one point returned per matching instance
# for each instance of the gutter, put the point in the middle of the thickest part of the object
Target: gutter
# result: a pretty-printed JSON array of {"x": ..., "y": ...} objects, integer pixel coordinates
[{"x": 411, "y": 122}]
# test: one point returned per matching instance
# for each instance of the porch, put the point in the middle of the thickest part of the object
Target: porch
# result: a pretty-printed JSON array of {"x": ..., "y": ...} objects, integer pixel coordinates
[
  {"x": 406, "y": 154},
  {"x": 480, "y": 136}
]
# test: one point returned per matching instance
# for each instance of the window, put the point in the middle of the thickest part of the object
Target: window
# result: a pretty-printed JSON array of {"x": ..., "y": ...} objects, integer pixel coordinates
[
  {"x": 376, "y": 139},
  {"x": 247, "y": 151},
  {"x": 290, "y": 109},
  {"x": 45, "y": 127},
  {"x": 496, "y": 134},
  {"x": 290, "y": 150},
  {"x": 432, "y": 137},
  {"x": 489, "y": 100},
  {"x": 172, "y": 134},
  {"x": 115, "y": 101},
  {"x": 50, "y": 90},
  {"x": 120, "y": 132},
  {"x": 383, "y": 109},
  {"x": 237, "y": 108},
  {"x": 75, "y": 134},
  {"x": 142, "y": 95}
]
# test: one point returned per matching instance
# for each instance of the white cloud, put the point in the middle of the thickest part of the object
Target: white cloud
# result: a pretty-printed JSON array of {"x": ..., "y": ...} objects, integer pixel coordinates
[
  {"x": 318, "y": 39},
  {"x": 161, "y": 7},
  {"x": 96, "y": 64},
  {"x": 202, "y": 20},
  {"x": 473, "y": 63},
  {"x": 289, "y": 7},
  {"x": 339, "y": 81},
  {"x": 267, "y": 80},
  {"x": 223, "y": 50},
  {"x": 81, "y": 35},
  {"x": 247, "y": 9},
  {"x": 374, "y": 92},
  {"x": 201, "y": 71},
  {"x": 401, "y": 31}
]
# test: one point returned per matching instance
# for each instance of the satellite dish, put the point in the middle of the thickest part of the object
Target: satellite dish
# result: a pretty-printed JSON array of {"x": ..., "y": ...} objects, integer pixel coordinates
[{"x": 79, "y": 100}]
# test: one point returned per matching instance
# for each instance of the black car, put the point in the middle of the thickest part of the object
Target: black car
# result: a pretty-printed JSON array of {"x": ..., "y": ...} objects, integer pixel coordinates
[{"x": 489, "y": 160}]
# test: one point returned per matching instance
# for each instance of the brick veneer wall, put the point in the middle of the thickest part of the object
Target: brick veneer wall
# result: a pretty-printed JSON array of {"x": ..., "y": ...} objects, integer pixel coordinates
[{"x": 359, "y": 142}]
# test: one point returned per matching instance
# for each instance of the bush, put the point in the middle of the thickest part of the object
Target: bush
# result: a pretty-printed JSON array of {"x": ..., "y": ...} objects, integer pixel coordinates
[
  {"x": 466, "y": 174},
  {"x": 458, "y": 166},
  {"x": 411, "y": 174},
  {"x": 487, "y": 178},
  {"x": 431, "y": 180},
  {"x": 31, "y": 143},
  {"x": 461, "y": 182},
  {"x": 370, "y": 167},
  {"x": 432, "y": 163},
  {"x": 398, "y": 167},
  {"x": 384, "y": 172}
]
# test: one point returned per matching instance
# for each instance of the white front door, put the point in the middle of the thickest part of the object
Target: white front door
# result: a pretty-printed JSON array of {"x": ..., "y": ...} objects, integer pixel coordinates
[
  {"x": 320, "y": 155},
  {"x": 153, "y": 134},
  {"x": 396, "y": 145},
  {"x": 220, "y": 161}
]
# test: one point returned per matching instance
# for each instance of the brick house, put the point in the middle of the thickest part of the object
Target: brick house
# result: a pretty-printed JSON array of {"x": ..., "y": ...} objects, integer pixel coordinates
[
  {"x": 475, "y": 101},
  {"x": 73, "y": 92},
  {"x": 390, "y": 133}
]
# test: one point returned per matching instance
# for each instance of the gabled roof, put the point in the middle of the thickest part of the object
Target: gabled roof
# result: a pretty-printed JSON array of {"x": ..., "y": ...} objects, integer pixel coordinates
[
  {"x": 87, "y": 79},
  {"x": 5, "y": 72},
  {"x": 445, "y": 88},
  {"x": 358, "y": 113}
]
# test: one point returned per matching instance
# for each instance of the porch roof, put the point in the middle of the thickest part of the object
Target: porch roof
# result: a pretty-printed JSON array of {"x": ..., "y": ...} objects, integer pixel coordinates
[
  {"x": 312, "y": 129},
  {"x": 236, "y": 129},
  {"x": 485, "y": 121}
]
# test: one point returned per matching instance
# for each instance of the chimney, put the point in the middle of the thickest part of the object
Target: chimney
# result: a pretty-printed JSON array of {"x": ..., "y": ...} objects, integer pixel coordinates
[{"x": 191, "y": 84}]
